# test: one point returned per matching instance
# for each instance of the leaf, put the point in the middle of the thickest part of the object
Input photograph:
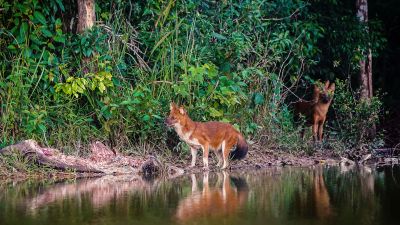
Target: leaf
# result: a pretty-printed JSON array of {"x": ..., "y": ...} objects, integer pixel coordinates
[
  {"x": 46, "y": 32},
  {"x": 51, "y": 46},
  {"x": 258, "y": 99},
  {"x": 42, "y": 127},
  {"x": 59, "y": 38},
  {"x": 58, "y": 23},
  {"x": 146, "y": 118},
  {"x": 218, "y": 36},
  {"x": 70, "y": 79},
  {"x": 39, "y": 16},
  {"x": 60, "y": 4},
  {"x": 101, "y": 87},
  {"x": 215, "y": 113},
  {"x": 160, "y": 42},
  {"x": 23, "y": 29},
  {"x": 27, "y": 52}
]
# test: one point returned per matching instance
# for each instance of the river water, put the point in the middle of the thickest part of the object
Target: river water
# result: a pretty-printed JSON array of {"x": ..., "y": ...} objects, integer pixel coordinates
[{"x": 320, "y": 195}]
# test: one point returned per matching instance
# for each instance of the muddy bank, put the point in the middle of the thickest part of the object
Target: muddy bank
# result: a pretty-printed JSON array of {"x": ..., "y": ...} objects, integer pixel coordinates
[{"x": 103, "y": 161}]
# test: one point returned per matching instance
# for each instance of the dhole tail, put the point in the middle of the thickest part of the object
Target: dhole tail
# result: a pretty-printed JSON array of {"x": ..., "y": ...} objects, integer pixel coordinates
[{"x": 241, "y": 149}]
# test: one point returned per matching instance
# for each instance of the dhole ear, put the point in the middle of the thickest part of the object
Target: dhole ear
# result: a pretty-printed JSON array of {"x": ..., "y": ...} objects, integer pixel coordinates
[
  {"x": 332, "y": 87},
  {"x": 172, "y": 105},
  {"x": 316, "y": 88},
  {"x": 182, "y": 110},
  {"x": 327, "y": 84}
]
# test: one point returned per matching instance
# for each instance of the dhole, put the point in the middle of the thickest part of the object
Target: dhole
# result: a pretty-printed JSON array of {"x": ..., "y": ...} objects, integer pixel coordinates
[
  {"x": 218, "y": 136},
  {"x": 315, "y": 110}
]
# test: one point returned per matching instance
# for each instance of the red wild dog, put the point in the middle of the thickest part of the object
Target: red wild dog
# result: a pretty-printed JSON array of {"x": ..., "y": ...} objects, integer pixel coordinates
[
  {"x": 221, "y": 137},
  {"x": 315, "y": 110}
]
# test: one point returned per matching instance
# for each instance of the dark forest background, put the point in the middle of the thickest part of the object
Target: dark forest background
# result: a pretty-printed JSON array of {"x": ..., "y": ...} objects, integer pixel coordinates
[{"x": 66, "y": 83}]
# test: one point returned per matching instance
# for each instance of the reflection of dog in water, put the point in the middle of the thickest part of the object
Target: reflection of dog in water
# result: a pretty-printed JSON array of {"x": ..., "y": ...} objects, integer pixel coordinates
[
  {"x": 323, "y": 207},
  {"x": 213, "y": 201}
]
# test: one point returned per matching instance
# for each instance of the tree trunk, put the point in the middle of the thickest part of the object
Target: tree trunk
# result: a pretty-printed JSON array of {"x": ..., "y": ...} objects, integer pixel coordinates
[
  {"x": 366, "y": 63},
  {"x": 86, "y": 15},
  {"x": 86, "y": 18}
]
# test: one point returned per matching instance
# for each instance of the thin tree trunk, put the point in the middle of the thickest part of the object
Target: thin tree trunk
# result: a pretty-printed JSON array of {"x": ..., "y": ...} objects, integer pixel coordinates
[
  {"x": 86, "y": 19},
  {"x": 86, "y": 15},
  {"x": 366, "y": 63}
]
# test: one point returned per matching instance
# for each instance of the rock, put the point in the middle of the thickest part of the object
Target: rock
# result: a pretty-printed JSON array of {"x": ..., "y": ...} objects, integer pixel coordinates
[{"x": 150, "y": 167}]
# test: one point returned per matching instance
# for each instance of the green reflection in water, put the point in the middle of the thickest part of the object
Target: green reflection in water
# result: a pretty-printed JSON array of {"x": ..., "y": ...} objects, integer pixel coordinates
[{"x": 319, "y": 195}]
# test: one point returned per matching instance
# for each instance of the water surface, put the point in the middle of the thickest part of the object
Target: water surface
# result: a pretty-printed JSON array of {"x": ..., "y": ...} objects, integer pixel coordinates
[{"x": 320, "y": 195}]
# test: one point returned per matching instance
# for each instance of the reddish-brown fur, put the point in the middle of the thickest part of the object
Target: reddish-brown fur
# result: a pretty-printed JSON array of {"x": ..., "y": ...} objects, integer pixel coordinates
[
  {"x": 218, "y": 136},
  {"x": 212, "y": 201},
  {"x": 315, "y": 111}
]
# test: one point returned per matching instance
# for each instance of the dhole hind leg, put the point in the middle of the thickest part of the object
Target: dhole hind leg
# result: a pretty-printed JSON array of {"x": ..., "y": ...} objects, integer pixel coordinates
[
  {"x": 226, "y": 149},
  {"x": 218, "y": 154}
]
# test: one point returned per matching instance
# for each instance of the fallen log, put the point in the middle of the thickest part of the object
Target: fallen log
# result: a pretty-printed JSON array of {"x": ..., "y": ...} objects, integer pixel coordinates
[
  {"x": 102, "y": 160},
  {"x": 50, "y": 157}
]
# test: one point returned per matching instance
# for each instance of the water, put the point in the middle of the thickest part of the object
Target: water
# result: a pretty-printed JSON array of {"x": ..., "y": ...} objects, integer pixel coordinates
[{"x": 273, "y": 196}]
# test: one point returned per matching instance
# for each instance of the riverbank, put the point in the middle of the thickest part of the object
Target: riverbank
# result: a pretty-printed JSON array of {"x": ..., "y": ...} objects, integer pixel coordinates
[{"x": 29, "y": 159}]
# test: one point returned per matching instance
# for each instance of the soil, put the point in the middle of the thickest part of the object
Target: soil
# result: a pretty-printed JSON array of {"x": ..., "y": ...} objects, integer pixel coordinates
[{"x": 103, "y": 161}]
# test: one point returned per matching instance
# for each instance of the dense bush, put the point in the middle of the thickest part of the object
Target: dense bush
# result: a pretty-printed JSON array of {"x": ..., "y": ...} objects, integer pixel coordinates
[
  {"x": 234, "y": 61},
  {"x": 354, "y": 119}
]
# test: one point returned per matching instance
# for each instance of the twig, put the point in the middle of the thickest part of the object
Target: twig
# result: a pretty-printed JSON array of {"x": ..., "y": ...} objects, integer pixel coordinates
[
  {"x": 162, "y": 81},
  {"x": 279, "y": 19}
]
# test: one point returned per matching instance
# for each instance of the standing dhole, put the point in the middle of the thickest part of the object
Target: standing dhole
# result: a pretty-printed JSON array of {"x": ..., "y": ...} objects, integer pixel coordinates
[
  {"x": 221, "y": 137},
  {"x": 315, "y": 110}
]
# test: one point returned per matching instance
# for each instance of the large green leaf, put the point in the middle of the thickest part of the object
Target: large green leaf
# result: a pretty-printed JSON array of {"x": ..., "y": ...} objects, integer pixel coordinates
[{"x": 39, "y": 16}]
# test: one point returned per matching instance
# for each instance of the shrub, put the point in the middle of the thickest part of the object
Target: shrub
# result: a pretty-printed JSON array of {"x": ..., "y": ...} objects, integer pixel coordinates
[{"x": 355, "y": 119}]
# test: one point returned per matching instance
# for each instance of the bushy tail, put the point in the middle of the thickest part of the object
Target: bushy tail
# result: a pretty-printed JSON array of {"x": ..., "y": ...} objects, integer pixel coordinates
[{"x": 241, "y": 149}]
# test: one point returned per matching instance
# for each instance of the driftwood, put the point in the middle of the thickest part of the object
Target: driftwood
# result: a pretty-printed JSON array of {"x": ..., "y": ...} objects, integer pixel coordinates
[{"x": 102, "y": 160}]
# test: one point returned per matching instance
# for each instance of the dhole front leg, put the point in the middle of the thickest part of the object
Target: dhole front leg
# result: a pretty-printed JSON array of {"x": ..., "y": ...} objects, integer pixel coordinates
[
  {"x": 194, "y": 155},
  {"x": 226, "y": 149},
  {"x": 320, "y": 130},
  {"x": 205, "y": 157},
  {"x": 315, "y": 131}
]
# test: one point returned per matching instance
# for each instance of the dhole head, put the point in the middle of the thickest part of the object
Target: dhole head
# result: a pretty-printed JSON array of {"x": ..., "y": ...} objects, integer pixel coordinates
[
  {"x": 324, "y": 92},
  {"x": 176, "y": 115}
]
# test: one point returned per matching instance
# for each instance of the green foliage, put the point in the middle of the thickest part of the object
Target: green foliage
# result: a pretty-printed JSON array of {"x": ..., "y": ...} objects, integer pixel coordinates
[
  {"x": 231, "y": 61},
  {"x": 354, "y": 118}
]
